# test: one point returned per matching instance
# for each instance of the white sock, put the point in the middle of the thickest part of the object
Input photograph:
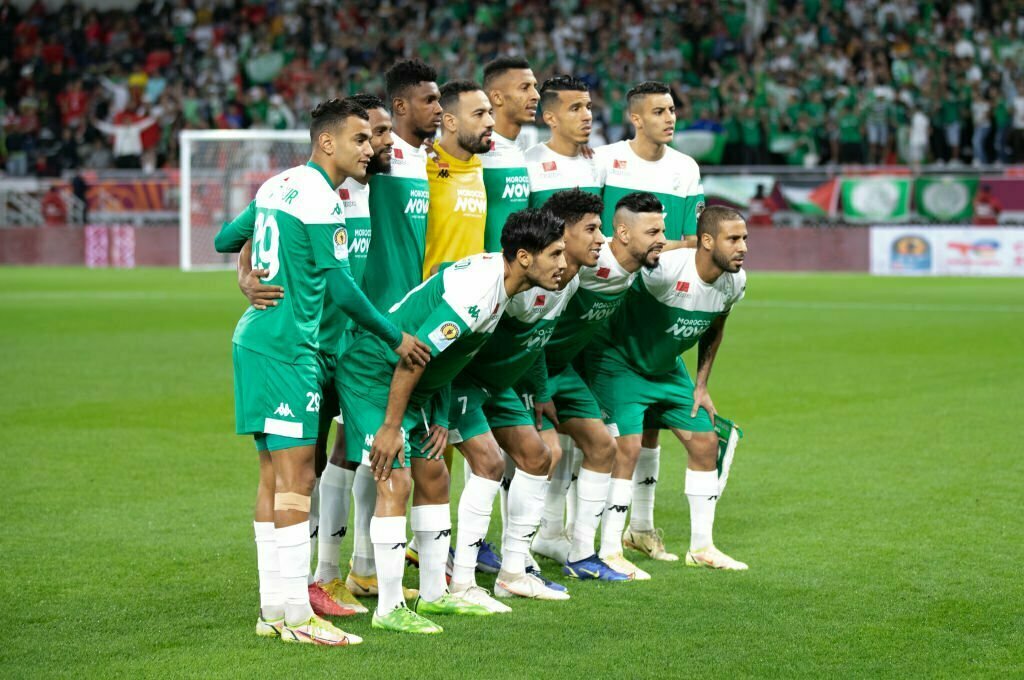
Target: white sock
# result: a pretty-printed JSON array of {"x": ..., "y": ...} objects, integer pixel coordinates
[
  {"x": 475, "y": 508},
  {"x": 364, "y": 492},
  {"x": 510, "y": 469},
  {"x": 525, "y": 505},
  {"x": 293, "y": 555},
  {"x": 388, "y": 536},
  {"x": 314, "y": 524},
  {"x": 591, "y": 495},
  {"x": 576, "y": 462},
  {"x": 467, "y": 472},
  {"x": 552, "y": 523},
  {"x": 335, "y": 498},
  {"x": 432, "y": 525},
  {"x": 702, "y": 491},
  {"x": 619, "y": 492},
  {"x": 645, "y": 483},
  {"x": 269, "y": 568}
]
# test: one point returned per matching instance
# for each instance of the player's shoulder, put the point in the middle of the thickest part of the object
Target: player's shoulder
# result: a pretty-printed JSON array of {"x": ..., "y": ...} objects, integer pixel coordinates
[
  {"x": 681, "y": 160},
  {"x": 607, "y": 151},
  {"x": 475, "y": 286},
  {"x": 732, "y": 285},
  {"x": 536, "y": 153},
  {"x": 317, "y": 201},
  {"x": 673, "y": 265}
]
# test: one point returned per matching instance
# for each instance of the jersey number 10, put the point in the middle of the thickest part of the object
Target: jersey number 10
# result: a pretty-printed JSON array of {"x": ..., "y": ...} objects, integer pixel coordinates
[{"x": 265, "y": 243}]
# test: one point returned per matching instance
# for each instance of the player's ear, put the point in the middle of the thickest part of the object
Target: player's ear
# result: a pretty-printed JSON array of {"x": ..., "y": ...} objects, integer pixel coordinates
[
  {"x": 448, "y": 121},
  {"x": 707, "y": 240},
  {"x": 496, "y": 99},
  {"x": 524, "y": 258},
  {"x": 635, "y": 119},
  {"x": 398, "y": 106},
  {"x": 549, "y": 118},
  {"x": 326, "y": 142}
]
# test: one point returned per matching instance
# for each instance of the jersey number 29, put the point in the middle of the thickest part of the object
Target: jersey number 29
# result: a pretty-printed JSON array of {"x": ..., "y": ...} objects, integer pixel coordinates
[{"x": 265, "y": 243}]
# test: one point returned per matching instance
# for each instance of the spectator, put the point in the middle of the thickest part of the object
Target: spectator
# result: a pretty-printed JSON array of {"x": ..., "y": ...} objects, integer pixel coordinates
[
  {"x": 981, "y": 112},
  {"x": 920, "y": 133},
  {"x": 127, "y": 142},
  {"x": 751, "y": 137},
  {"x": 986, "y": 207}
]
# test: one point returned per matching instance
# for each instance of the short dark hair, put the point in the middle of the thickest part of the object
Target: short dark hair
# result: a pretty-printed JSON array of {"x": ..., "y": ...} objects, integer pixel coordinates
[
  {"x": 496, "y": 68},
  {"x": 645, "y": 88},
  {"x": 531, "y": 230},
  {"x": 571, "y": 205},
  {"x": 368, "y": 101},
  {"x": 406, "y": 74},
  {"x": 552, "y": 86},
  {"x": 711, "y": 219},
  {"x": 640, "y": 202},
  {"x": 332, "y": 112},
  {"x": 451, "y": 91}
]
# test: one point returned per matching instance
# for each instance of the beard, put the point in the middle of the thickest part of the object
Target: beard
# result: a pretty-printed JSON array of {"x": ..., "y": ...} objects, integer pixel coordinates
[
  {"x": 378, "y": 166},
  {"x": 651, "y": 257},
  {"x": 473, "y": 143},
  {"x": 724, "y": 263}
]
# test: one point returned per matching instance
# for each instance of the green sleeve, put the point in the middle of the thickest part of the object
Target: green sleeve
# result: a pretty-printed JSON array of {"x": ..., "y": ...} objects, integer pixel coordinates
[
  {"x": 439, "y": 405},
  {"x": 329, "y": 244},
  {"x": 443, "y": 327},
  {"x": 535, "y": 380},
  {"x": 344, "y": 291},
  {"x": 234, "y": 234}
]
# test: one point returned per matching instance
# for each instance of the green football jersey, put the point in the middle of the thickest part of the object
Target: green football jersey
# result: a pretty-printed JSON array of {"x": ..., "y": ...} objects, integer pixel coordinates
[
  {"x": 550, "y": 172},
  {"x": 454, "y": 312},
  {"x": 507, "y": 184},
  {"x": 299, "y": 231},
  {"x": 601, "y": 289},
  {"x": 522, "y": 333},
  {"x": 399, "y": 202},
  {"x": 355, "y": 199},
  {"x": 666, "y": 311},
  {"x": 674, "y": 179}
]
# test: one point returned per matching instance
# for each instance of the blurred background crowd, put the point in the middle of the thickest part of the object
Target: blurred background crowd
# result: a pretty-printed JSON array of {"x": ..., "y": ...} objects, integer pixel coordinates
[{"x": 801, "y": 82}]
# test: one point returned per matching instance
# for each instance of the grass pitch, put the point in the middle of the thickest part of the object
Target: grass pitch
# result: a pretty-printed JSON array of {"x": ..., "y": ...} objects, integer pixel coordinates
[{"x": 876, "y": 497}]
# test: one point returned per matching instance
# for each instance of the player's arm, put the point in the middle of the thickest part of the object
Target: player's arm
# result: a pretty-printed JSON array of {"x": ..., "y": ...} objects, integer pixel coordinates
[
  {"x": 352, "y": 300},
  {"x": 707, "y": 350},
  {"x": 389, "y": 441},
  {"x": 259, "y": 294},
  {"x": 436, "y": 439},
  {"x": 234, "y": 234},
  {"x": 535, "y": 382}
]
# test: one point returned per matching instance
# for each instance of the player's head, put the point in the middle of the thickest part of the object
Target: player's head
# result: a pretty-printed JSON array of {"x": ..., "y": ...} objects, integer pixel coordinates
[
  {"x": 534, "y": 240},
  {"x": 566, "y": 108},
  {"x": 722, "y": 233},
  {"x": 639, "y": 222},
  {"x": 340, "y": 132},
  {"x": 380, "y": 132},
  {"x": 652, "y": 111},
  {"x": 512, "y": 88},
  {"x": 467, "y": 115},
  {"x": 412, "y": 89},
  {"x": 581, "y": 212}
]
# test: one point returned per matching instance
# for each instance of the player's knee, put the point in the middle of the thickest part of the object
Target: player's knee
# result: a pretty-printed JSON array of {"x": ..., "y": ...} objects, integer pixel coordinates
[
  {"x": 431, "y": 483},
  {"x": 536, "y": 458},
  {"x": 556, "y": 458},
  {"x": 489, "y": 466},
  {"x": 703, "y": 449},
  {"x": 602, "y": 452}
]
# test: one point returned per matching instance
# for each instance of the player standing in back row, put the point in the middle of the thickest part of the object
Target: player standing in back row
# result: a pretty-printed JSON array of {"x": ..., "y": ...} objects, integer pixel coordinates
[{"x": 296, "y": 224}]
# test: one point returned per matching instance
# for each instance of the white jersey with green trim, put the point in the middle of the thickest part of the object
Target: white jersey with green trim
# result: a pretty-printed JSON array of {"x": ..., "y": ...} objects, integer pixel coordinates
[
  {"x": 550, "y": 171},
  {"x": 666, "y": 311},
  {"x": 674, "y": 179}
]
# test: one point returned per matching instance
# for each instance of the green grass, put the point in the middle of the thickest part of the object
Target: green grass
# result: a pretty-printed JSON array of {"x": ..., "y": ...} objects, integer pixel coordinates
[{"x": 876, "y": 496}]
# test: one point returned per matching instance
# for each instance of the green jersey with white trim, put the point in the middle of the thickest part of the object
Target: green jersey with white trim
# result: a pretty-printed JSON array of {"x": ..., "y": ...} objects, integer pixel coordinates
[
  {"x": 550, "y": 172},
  {"x": 399, "y": 202},
  {"x": 666, "y": 312},
  {"x": 674, "y": 179},
  {"x": 355, "y": 199},
  {"x": 299, "y": 232},
  {"x": 454, "y": 312},
  {"x": 507, "y": 184},
  {"x": 528, "y": 324},
  {"x": 601, "y": 290}
]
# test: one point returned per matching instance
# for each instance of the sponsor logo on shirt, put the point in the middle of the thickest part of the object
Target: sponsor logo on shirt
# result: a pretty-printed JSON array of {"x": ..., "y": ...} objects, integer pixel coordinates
[
  {"x": 470, "y": 200},
  {"x": 444, "y": 335},
  {"x": 682, "y": 286},
  {"x": 687, "y": 328},
  {"x": 549, "y": 166}
]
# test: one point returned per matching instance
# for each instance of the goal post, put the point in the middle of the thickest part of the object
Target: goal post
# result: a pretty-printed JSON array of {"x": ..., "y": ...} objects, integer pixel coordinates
[{"x": 220, "y": 171}]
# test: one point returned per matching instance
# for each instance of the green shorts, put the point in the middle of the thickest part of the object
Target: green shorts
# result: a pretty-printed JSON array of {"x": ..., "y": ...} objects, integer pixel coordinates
[
  {"x": 364, "y": 416},
  {"x": 276, "y": 399},
  {"x": 330, "y": 405},
  {"x": 632, "y": 401},
  {"x": 572, "y": 397},
  {"x": 475, "y": 410}
]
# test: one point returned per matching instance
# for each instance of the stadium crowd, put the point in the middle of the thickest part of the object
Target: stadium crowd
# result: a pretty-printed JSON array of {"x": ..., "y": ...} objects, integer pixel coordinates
[{"x": 783, "y": 81}]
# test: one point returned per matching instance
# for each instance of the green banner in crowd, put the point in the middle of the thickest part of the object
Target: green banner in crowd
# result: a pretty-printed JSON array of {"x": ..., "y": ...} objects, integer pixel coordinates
[
  {"x": 704, "y": 146},
  {"x": 876, "y": 199},
  {"x": 945, "y": 199}
]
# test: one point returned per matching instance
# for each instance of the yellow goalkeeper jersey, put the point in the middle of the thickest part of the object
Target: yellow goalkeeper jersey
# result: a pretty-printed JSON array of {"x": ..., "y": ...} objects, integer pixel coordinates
[{"x": 458, "y": 208}]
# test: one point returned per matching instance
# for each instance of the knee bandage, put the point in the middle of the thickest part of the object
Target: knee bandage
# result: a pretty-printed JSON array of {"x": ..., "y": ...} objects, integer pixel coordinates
[{"x": 291, "y": 501}]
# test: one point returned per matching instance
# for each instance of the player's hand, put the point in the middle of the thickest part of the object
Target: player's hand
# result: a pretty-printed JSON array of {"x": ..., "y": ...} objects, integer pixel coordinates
[
  {"x": 259, "y": 294},
  {"x": 435, "y": 442},
  {"x": 388, "y": 444},
  {"x": 587, "y": 151},
  {"x": 702, "y": 398},
  {"x": 544, "y": 409},
  {"x": 413, "y": 351}
]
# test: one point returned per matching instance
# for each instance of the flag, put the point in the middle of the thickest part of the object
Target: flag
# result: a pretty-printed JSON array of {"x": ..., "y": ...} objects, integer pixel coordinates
[
  {"x": 736, "y": 190},
  {"x": 704, "y": 146},
  {"x": 814, "y": 199},
  {"x": 876, "y": 199},
  {"x": 945, "y": 199}
]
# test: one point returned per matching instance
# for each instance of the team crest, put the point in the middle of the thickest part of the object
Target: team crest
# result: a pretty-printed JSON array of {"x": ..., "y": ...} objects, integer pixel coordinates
[
  {"x": 444, "y": 335},
  {"x": 340, "y": 243}
]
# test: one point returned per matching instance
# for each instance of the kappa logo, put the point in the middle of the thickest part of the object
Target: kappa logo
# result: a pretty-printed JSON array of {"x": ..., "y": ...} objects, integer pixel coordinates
[
  {"x": 682, "y": 286},
  {"x": 284, "y": 409},
  {"x": 337, "y": 209},
  {"x": 531, "y": 534},
  {"x": 340, "y": 533},
  {"x": 649, "y": 481},
  {"x": 618, "y": 508},
  {"x": 443, "y": 174},
  {"x": 506, "y": 482},
  {"x": 396, "y": 546},
  {"x": 478, "y": 544},
  {"x": 442, "y": 533}
]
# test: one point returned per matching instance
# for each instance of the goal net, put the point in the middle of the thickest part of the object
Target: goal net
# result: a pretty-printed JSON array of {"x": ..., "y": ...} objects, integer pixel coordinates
[{"x": 220, "y": 173}]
